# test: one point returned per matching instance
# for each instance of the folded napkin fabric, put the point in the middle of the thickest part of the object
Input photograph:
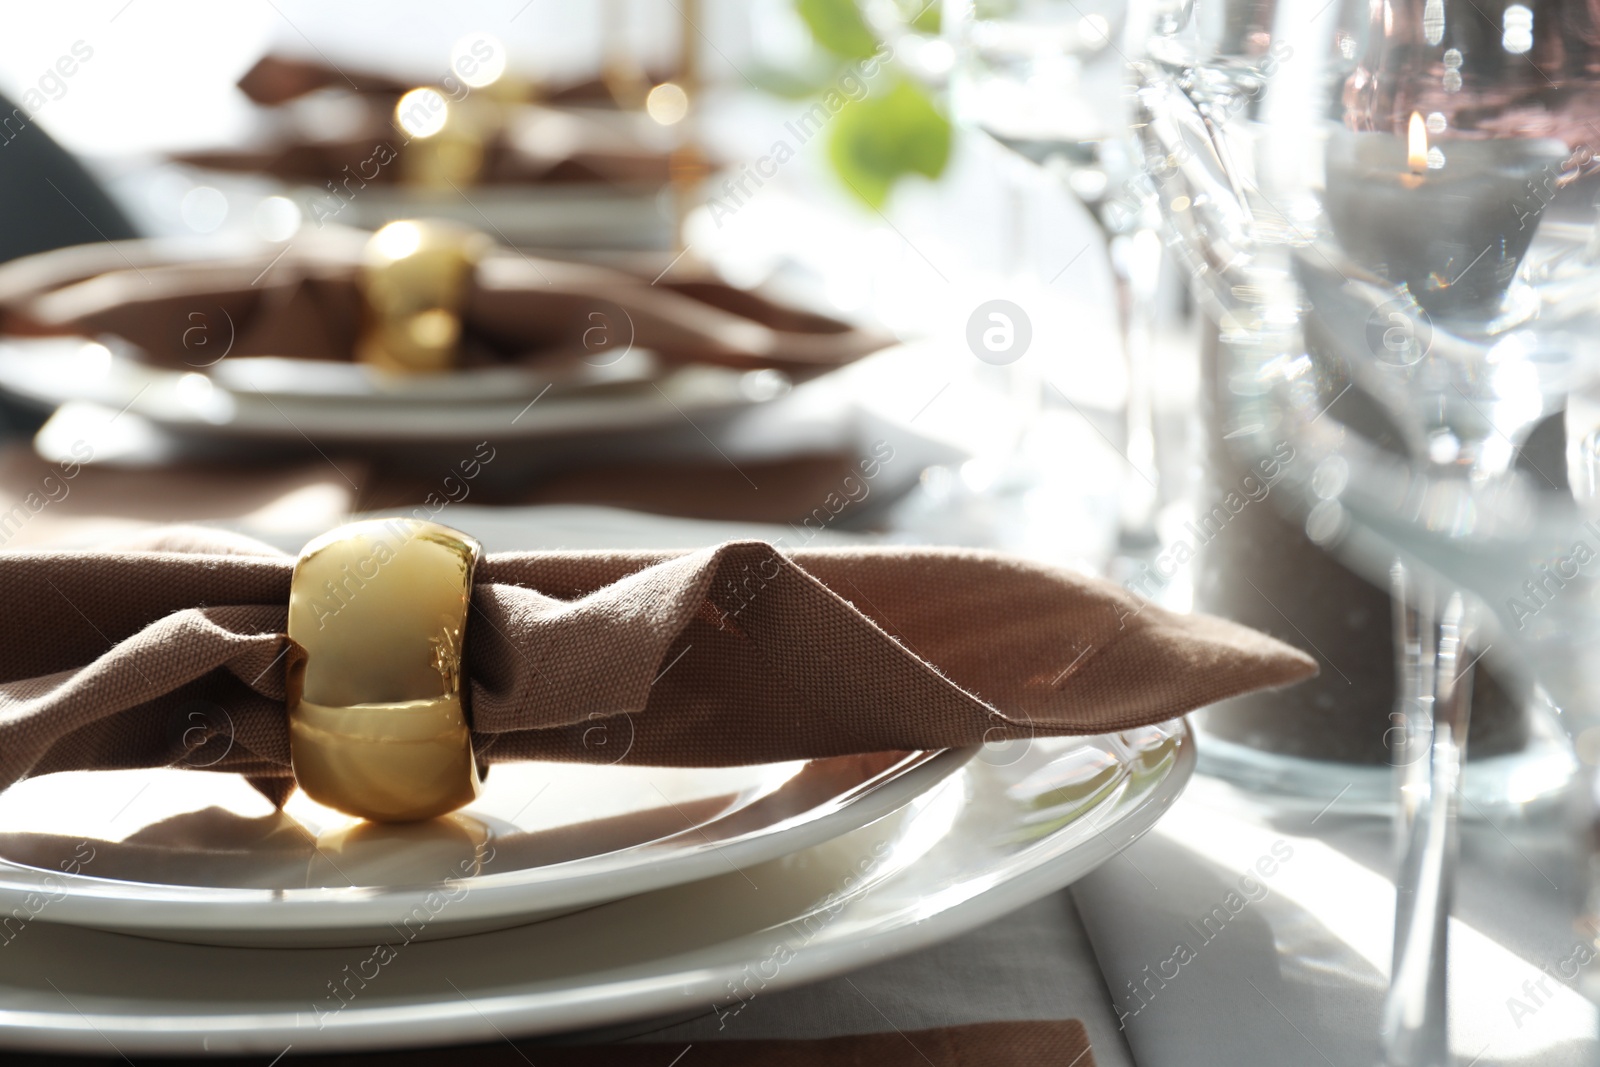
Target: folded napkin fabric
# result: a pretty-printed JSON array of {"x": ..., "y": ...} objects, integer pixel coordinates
[
  {"x": 535, "y": 145},
  {"x": 303, "y": 301},
  {"x": 541, "y": 139},
  {"x": 1061, "y": 1043},
  {"x": 736, "y": 654},
  {"x": 277, "y": 79}
]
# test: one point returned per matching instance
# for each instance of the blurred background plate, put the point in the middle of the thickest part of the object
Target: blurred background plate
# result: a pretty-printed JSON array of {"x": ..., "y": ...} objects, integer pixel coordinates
[
  {"x": 344, "y": 404},
  {"x": 278, "y": 376},
  {"x": 576, "y": 217}
]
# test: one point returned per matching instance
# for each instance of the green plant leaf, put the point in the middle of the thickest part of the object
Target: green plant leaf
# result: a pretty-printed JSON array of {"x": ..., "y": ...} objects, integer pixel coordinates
[
  {"x": 838, "y": 26},
  {"x": 922, "y": 15},
  {"x": 879, "y": 140}
]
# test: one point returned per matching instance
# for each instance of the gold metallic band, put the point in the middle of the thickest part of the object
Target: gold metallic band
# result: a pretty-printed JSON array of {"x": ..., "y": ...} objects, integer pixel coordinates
[
  {"x": 377, "y": 722},
  {"x": 414, "y": 278},
  {"x": 448, "y": 140}
]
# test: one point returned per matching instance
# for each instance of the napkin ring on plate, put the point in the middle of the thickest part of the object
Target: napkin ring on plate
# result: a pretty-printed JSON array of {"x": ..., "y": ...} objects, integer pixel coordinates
[
  {"x": 415, "y": 276},
  {"x": 377, "y": 720},
  {"x": 448, "y": 140}
]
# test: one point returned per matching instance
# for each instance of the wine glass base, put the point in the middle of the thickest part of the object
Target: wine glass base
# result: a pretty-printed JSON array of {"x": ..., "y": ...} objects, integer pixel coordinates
[{"x": 1494, "y": 787}]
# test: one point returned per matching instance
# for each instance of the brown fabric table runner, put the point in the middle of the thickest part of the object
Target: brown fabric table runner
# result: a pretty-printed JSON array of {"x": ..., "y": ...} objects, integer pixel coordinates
[
  {"x": 811, "y": 492},
  {"x": 735, "y": 654},
  {"x": 303, "y": 301},
  {"x": 808, "y": 491},
  {"x": 1062, "y": 1043},
  {"x": 1009, "y": 1044}
]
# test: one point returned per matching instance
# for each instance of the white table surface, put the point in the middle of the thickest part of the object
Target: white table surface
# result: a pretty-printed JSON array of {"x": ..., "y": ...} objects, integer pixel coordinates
[{"x": 1298, "y": 972}]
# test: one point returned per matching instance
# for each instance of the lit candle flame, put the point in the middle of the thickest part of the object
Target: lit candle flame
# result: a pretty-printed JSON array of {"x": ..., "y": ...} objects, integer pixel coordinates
[{"x": 1417, "y": 144}]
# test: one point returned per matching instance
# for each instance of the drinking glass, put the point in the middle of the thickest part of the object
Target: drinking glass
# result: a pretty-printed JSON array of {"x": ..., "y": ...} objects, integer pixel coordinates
[
  {"x": 1389, "y": 209},
  {"x": 1047, "y": 79}
]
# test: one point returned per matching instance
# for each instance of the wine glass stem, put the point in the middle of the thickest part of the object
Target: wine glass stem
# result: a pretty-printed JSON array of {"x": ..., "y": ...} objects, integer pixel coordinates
[
  {"x": 1433, "y": 631},
  {"x": 1135, "y": 259}
]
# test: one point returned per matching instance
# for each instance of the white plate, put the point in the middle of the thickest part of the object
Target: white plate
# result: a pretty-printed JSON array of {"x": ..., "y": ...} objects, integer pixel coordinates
[
  {"x": 250, "y": 399},
  {"x": 191, "y": 856},
  {"x": 284, "y": 378},
  {"x": 557, "y": 216},
  {"x": 1012, "y": 826}
]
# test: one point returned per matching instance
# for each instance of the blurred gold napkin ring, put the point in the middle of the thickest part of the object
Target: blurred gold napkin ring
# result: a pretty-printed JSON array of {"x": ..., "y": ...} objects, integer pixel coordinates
[
  {"x": 447, "y": 139},
  {"x": 377, "y": 720},
  {"x": 415, "y": 278}
]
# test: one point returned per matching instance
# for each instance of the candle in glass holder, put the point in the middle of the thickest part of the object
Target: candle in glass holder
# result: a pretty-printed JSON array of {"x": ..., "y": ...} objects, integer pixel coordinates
[{"x": 1450, "y": 221}]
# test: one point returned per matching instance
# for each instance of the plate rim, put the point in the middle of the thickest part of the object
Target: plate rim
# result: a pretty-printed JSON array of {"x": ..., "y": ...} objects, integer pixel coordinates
[
  {"x": 147, "y": 905},
  {"x": 270, "y": 416},
  {"x": 677, "y": 979}
]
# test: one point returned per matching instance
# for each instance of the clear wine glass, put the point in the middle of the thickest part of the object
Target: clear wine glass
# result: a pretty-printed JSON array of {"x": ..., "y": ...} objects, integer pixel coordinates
[
  {"x": 1047, "y": 79},
  {"x": 1395, "y": 201}
]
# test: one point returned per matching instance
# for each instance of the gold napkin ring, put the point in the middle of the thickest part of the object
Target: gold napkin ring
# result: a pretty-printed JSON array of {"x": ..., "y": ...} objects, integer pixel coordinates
[
  {"x": 415, "y": 275},
  {"x": 377, "y": 721},
  {"x": 447, "y": 141}
]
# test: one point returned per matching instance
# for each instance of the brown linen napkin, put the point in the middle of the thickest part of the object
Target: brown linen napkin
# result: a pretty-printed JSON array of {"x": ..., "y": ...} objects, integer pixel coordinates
[
  {"x": 536, "y": 144},
  {"x": 1056, "y": 1043},
  {"x": 729, "y": 655},
  {"x": 302, "y": 300},
  {"x": 278, "y": 79}
]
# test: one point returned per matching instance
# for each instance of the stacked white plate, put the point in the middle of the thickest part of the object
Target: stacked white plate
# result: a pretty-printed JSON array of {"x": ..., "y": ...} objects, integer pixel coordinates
[
  {"x": 142, "y": 904},
  {"x": 265, "y": 398}
]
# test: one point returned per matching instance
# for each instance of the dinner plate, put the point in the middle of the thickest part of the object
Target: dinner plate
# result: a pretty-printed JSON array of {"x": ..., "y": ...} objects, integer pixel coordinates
[
  {"x": 1015, "y": 823},
  {"x": 558, "y": 216},
  {"x": 192, "y": 856},
  {"x": 579, "y": 216},
  {"x": 253, "y": 398},
  {"x": 294, "y": 380}
]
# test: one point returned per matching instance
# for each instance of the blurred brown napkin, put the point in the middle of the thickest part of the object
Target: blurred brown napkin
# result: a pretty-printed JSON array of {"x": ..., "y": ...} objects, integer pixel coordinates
[
  {"x": 278, "y": 79},
  {"x": 536, "y": 145},
  {"x": 1062, "y": 1043},
  {"x": 540, "y": 139},
  {"x": 728, "y": 655},
  {"x": 302, "y": 300}
]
